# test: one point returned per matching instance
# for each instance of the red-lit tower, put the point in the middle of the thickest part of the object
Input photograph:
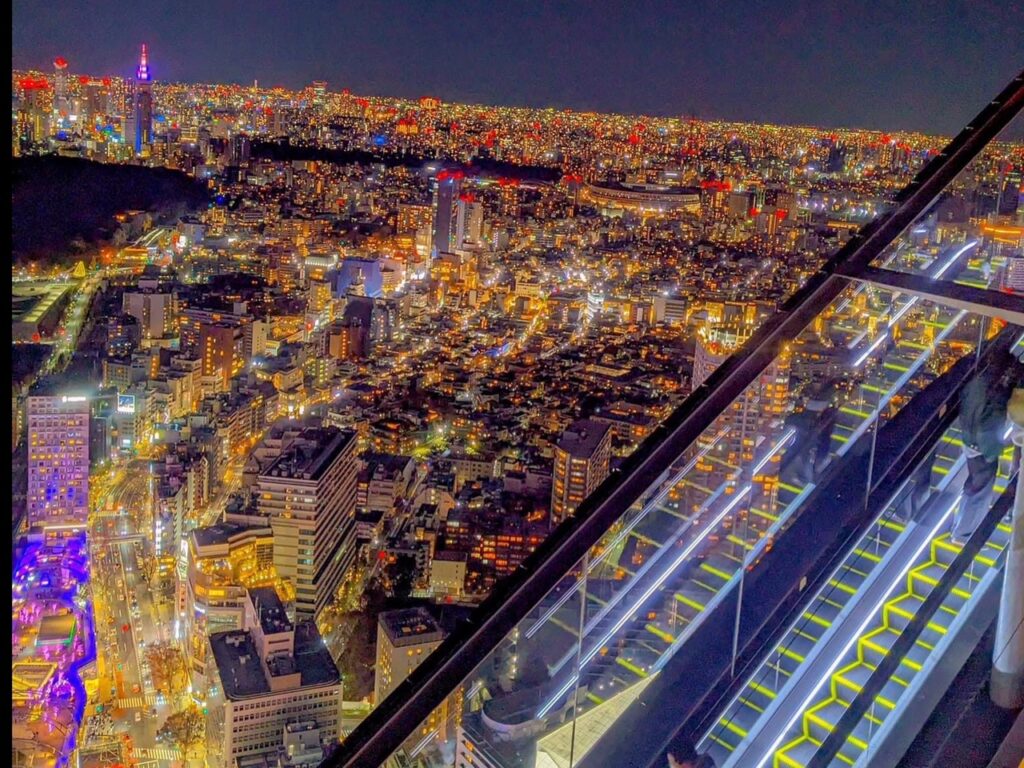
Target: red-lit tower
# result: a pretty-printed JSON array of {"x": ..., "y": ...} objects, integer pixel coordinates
[
  {"x": 693, "y": 144},
  {"x": 60, "y": 88},
  {"x": 35, "y": 110}
]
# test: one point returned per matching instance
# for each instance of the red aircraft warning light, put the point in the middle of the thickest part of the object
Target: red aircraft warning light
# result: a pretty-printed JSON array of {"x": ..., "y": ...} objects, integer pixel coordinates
[
  {"x": 33, "y": 84},
  {"x": 60, "y": 63}
]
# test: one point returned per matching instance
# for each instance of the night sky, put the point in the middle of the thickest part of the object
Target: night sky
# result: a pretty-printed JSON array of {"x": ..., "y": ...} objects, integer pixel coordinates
[{"x": 888, "y": 64}]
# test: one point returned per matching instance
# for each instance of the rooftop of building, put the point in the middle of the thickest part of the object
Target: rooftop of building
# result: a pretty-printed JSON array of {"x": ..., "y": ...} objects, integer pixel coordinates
[
  {"x": 581, "y": 438},
  {"x": 59, "y": 395},
  {"x": 216, "y": 534},
  {"x": 57, "y": 629},
  {"x": 31, "y": 301},
  {"x": 410, "y": 625},
  {"x": 270, "y": 610},
  {"x": 389, "y": 461},
  {"x": 624, "y": 416},
  {"x": 311, "y": 454},
  {"x": 243, "y": 676}
]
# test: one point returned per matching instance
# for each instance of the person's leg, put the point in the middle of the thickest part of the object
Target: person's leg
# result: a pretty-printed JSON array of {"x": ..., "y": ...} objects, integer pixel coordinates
[
  {"x": 795, "y": 469},
  {"x": 823, "y": 443},
  {"x": 981, "y": 473},
  {"x": 917, "y": 492}
]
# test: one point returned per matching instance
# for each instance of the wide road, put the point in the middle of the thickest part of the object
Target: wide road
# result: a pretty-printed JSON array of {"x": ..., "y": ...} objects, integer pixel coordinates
[{"x": 128, "y": 618}]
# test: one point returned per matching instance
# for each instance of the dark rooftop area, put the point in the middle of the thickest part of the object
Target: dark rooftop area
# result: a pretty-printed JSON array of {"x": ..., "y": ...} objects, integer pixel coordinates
[
  {"x": 270, "y": 610},
  {"x": 311, "y": 454},
  {"x": 242, "y": 674},
  {"x": 410, "y": 624}
]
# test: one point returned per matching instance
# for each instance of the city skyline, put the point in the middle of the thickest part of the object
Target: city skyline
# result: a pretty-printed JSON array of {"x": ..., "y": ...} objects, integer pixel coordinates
[
  {"x": 887, "y": 70},
  {"x": 362, "y": 430}
]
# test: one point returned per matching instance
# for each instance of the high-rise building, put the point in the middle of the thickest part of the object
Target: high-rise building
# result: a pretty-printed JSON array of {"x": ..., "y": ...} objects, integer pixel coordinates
[
  {"x": 221, "y": 351},
  {"x": 254, "y": 338},
  {"x": 270, "y": 676},
  {"x": 155, "y": 311},
  {"x": 239, "y": 149},
  {"x": 61, "y": 105},
  {"x": 754, "y": 415},
  {"x": 412, "y": 218},
  {"x": 1010, "y": 190},
  {"x": 581, "y": 464},
  {"x": 319, "y": 89},
  {"x": 308, "y": 494},
  {"x": 58, "y": 462},
  {"x": 223, "y": 561},
  {"x": 95, "y": 96},
  {"x": 404, "y": 639},
  {"x": 319, "y": 295},
  {"x": 446, "y": 212},
  {"x": 192, "y": 319},
  {"x": 469, "y": 223},
  {"x": 140, "y": 122},
  {"x": 34, "y": 112}
]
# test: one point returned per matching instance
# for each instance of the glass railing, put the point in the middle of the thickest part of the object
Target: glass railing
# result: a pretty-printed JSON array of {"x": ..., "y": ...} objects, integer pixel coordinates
[
  {"x": 593, "y": 644},
  {"x": 793, "y": 453},
  {"x": 794, "y": 697}
]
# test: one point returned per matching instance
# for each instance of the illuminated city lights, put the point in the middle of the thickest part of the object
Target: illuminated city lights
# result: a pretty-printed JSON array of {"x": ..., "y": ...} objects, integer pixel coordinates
[{"x": 284, "y": 421}]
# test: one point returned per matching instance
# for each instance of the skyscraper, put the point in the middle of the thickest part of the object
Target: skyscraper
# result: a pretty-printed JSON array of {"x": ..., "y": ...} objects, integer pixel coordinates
[
  {"x": 404, "y": 639},
  {"x": 581, "y": 464},
  {"x": 469, "y": 222},
  {"x": 58, "y": 462},
  {"x": 220, "y": 350},
  {"x": 756, "y": 413},
  {"x": 139, "y": 131},
  {"x": 60, "y": 90},
  {"x": 309, "y": 497},
  {"x": 34, "y": 112},
  {"x": 446, "y": 212}
]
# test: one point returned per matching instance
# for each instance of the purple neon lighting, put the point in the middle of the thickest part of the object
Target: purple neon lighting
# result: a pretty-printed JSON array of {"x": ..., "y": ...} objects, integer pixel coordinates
[{"x": 72, "y": 561}]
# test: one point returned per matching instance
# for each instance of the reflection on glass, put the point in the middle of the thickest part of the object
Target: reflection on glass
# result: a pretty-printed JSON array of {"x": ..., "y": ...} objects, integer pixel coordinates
[{"x": 591, "y": 646}]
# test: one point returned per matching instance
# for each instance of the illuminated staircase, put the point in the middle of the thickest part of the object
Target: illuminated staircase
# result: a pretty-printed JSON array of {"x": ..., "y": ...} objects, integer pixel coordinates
[
  {"x": 873, "y": 645},
  {"x": 801, "y": 638}
]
